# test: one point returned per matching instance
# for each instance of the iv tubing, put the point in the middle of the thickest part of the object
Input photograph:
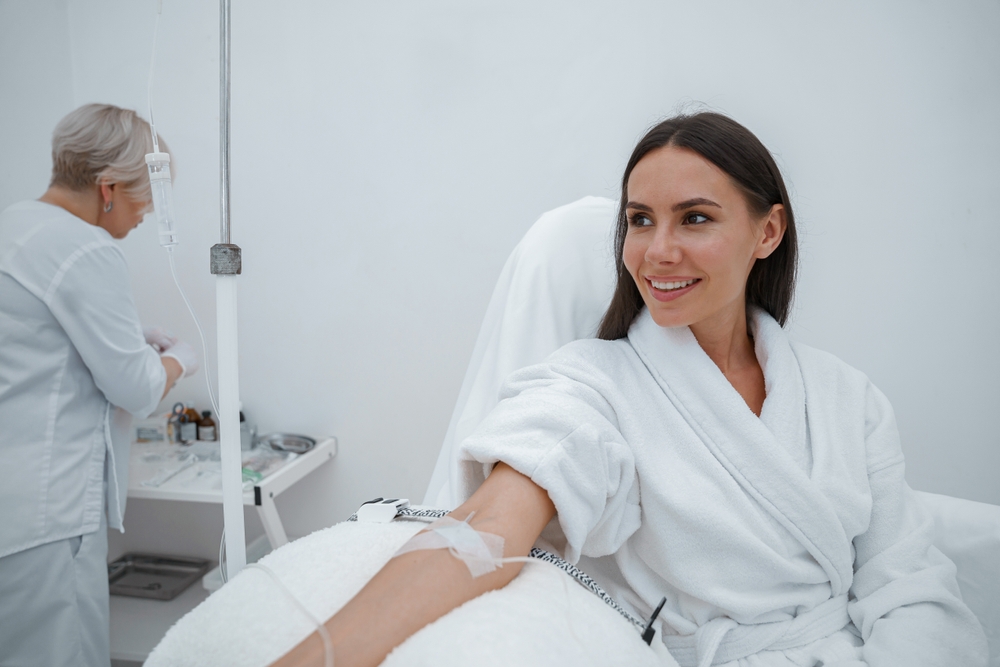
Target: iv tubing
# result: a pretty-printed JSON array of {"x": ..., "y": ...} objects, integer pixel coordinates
[
  {"x": 169, "y": 249},
  {"x": 204, "y": 347},
  {"x": 149, "y": 85},
  {"x": 324, "y": 634}
]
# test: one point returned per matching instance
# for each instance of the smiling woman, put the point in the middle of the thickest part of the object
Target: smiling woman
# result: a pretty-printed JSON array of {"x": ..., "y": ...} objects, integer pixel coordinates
[
  {"x": 711, "y": 151},
  {"x": 695, "y": 238},
  {"x": 694, "y": 455}
]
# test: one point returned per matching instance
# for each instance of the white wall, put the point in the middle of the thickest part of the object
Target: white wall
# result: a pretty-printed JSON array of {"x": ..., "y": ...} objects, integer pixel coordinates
[{"x": 388, "y": 155}]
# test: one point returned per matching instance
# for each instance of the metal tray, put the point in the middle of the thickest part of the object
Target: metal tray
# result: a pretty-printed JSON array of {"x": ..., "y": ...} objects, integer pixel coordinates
[
  {"x": 287, "y": 442},
  {"x": 156, "y": 577}
]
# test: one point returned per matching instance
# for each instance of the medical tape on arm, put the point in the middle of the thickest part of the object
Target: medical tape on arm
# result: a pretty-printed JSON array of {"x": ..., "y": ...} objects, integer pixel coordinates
[{"x": 481, "y": 552}]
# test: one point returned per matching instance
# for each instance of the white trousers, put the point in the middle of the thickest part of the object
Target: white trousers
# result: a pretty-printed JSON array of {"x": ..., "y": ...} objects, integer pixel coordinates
[{"x": 54, "y": 604}]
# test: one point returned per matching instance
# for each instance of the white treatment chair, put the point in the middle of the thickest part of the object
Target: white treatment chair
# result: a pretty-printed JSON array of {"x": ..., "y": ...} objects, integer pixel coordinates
[{"x": 553, "y": 289}]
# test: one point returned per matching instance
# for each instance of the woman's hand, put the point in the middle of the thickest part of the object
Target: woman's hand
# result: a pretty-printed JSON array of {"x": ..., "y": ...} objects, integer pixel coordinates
[{"x": 419, "y": 587}]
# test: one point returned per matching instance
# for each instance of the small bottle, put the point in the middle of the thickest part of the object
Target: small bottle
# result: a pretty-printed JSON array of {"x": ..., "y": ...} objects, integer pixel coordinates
[
  {"x": 189, "y": 424},
  {"x": 206, "y": 427}
]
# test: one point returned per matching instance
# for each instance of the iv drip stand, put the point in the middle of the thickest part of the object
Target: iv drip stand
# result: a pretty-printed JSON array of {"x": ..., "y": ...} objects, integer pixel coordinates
[{"x": 226, "y": 264}]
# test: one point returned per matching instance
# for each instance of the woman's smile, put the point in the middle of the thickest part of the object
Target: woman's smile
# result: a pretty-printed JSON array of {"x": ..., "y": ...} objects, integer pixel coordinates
[{"x": 668, "y": 289}]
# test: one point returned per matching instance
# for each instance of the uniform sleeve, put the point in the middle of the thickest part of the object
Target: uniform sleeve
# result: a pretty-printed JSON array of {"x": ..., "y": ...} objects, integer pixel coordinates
[
  {"x": 91, "y": 300},
  {"x": 554, "y": 427},
  {"x": 905, "y": 598}
]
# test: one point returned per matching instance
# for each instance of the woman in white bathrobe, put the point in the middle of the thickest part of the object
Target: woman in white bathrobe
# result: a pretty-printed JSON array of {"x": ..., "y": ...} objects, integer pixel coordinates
[{"x": 694, "y": 453}]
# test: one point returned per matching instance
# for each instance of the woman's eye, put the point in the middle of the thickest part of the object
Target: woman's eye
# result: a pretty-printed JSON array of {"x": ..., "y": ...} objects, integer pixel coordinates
[
  {"x": 695, "y": 219},
  {"x": 640, "y": 220}
]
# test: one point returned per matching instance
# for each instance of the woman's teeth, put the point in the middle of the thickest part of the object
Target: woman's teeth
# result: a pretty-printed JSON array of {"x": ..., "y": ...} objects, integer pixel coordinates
[{"x": 673, "y": 285}]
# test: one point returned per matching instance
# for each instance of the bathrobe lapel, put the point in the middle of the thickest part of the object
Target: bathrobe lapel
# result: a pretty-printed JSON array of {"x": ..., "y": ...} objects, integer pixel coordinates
[{"x": 759, "y": 459}]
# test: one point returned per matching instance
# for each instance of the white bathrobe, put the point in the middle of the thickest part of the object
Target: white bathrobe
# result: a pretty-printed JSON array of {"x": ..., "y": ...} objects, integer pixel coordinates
[{"x": 789, "y": 539}]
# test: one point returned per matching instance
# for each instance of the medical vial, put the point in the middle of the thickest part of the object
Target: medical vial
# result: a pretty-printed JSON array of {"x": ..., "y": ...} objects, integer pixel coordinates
[
  {"x": 189, "y": 424},
  {"x": 161, "y": 187},
  {"x": 206, "y": 427}
]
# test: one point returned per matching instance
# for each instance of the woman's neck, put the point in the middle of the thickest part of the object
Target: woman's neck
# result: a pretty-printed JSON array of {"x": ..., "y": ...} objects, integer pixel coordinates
[
  {"x": 84, "y": 204},
  {"x": 726, "y": 340}
]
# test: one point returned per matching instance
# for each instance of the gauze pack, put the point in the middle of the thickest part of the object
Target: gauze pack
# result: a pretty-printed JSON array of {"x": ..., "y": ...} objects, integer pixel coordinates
[{"x": 481, "y": 552}]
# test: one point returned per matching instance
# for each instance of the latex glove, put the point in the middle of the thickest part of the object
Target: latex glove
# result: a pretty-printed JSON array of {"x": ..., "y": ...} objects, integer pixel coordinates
[
  {"x": 185, "y": 355},
  {"x": 159, "y": 339}
]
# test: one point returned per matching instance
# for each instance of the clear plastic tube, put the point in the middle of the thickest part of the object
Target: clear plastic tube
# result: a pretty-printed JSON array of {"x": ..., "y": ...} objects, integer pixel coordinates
[
  {"x": 201, "y": 335},
  {"x": 324, "y": 634},
  {"x": 149, "y": 83}
]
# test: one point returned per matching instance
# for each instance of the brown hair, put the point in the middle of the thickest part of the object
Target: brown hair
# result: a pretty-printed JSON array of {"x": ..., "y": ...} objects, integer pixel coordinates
[{"x": 736, "y": 151}]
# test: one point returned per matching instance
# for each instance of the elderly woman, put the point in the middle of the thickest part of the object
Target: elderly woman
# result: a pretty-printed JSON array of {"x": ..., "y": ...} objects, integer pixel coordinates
[
  {"x": 694, "y": 453},
  {"x": 74, "y": 363}
]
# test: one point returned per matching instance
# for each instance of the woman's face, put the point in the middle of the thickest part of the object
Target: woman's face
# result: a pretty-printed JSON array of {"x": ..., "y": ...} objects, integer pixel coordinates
[{"x": 691, "y": 239}]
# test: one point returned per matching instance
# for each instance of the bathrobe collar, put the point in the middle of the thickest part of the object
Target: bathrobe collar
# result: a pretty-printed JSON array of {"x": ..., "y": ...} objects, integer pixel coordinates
[{"x": 756, "y": 452}]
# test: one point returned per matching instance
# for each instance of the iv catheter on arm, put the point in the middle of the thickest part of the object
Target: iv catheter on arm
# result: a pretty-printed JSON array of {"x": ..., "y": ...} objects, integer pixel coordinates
[{"x": 418, "y": 587}]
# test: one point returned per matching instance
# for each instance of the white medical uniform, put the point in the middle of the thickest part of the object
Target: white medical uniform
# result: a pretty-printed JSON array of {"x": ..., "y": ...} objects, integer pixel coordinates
[{"x": 71, "y": 349}]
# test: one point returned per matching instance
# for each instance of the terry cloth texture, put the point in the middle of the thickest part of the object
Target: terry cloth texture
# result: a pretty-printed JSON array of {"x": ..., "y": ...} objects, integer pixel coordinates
[
  {"x": 755, "y": 529},
  {"x": 542, "y": 618}
]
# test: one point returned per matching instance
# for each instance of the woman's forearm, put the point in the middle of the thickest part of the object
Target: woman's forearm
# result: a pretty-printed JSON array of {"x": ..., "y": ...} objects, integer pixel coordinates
[
  {"x": 411, "y": 591},
  {"x": 419, "y": 587}
]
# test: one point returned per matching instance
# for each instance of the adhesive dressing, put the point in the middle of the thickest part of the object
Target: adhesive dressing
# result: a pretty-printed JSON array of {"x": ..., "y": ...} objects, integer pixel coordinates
[{"x": 481, "y": 552}]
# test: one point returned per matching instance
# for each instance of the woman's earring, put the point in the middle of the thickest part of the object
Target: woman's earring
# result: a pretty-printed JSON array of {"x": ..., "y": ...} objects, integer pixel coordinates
[{"x": 107, "y": 207}]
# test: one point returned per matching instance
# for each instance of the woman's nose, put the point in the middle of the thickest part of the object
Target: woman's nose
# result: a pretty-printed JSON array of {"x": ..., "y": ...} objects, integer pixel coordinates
[{"x": 664, "y": 247}]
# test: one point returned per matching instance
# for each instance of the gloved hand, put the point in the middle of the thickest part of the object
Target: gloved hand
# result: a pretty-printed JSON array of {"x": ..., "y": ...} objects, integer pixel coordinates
[
  {"x": 185, "y": 355},
  {"x": 159, "y": 339}
]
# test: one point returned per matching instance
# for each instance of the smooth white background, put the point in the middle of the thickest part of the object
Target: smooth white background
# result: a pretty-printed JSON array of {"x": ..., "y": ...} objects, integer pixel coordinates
[{"x": 388, "y": 155}]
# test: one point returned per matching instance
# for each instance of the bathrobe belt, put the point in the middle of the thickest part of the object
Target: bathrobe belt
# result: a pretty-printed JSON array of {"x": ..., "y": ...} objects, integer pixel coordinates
[{"x": 723, "y": 640}]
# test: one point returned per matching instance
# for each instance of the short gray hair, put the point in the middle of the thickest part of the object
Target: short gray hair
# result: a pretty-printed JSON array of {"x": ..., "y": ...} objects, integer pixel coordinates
[{"x": 103, "y": 143}]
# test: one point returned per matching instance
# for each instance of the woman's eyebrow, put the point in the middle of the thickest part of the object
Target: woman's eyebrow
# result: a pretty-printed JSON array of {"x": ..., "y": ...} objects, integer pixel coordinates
[
  {"x": 697, "y": 201},
  {"x": 688, "y": 203}
]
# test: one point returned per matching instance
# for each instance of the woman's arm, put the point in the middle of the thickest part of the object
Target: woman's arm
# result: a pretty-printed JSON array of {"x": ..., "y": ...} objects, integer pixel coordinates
[{"x": 419, "y": 587}]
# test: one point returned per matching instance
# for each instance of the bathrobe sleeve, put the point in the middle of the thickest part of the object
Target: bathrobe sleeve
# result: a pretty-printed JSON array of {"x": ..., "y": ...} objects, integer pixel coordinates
[
  {"x": 905, "y": 598},
  {"x": 555, "y": 425}
]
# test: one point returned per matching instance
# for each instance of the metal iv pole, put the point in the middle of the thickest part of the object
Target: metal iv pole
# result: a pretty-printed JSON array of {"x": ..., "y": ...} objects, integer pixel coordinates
[{"x": 226, "y": 264}]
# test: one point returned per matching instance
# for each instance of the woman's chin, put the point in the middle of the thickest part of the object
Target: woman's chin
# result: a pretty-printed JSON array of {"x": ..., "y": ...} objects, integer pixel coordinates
[{"x": 669, "y": 318}]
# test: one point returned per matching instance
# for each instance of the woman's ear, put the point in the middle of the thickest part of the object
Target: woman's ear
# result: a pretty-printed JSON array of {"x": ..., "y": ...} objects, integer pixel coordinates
[
  {"x": 771, "y": 231},
  {"x": 106, "y": 190}
]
